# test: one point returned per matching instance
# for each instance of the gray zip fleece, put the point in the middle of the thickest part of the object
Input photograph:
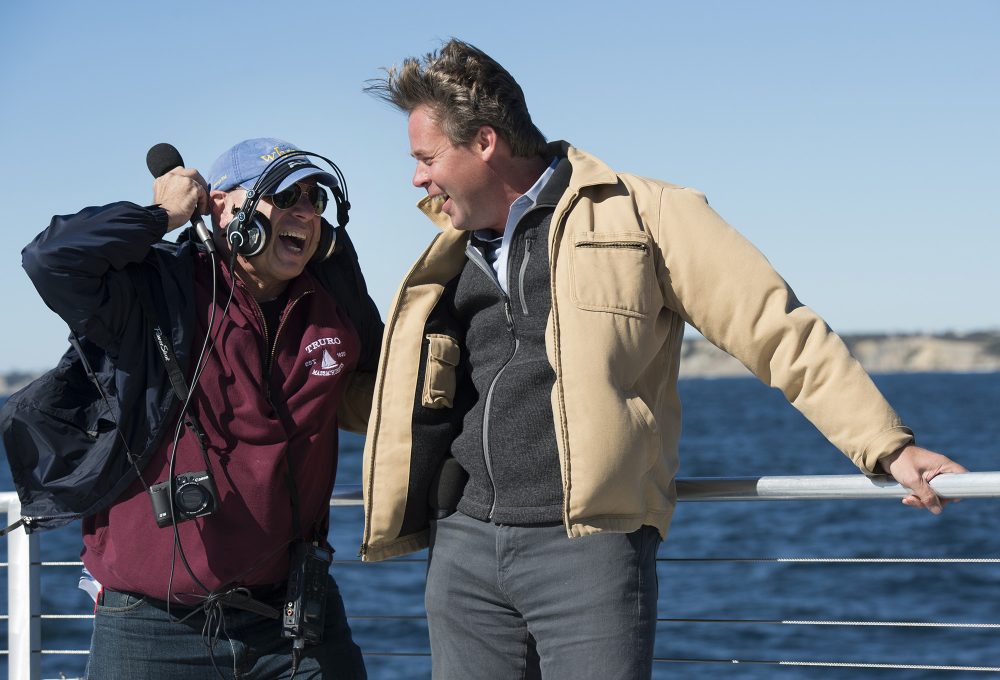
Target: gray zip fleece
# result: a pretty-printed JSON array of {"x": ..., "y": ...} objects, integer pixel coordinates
[{"x": 507, "y": 443}]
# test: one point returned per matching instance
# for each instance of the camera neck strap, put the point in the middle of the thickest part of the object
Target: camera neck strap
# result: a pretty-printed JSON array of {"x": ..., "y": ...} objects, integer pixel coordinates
[{"x": 170, "y": 362}]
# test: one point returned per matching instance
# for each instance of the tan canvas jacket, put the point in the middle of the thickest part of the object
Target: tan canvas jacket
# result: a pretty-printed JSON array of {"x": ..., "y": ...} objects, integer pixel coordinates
[{"x": 631, "y": 260}]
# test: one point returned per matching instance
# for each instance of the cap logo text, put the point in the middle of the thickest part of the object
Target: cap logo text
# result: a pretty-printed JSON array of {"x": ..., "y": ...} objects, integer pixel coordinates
[{"x": 278, "y": 152}]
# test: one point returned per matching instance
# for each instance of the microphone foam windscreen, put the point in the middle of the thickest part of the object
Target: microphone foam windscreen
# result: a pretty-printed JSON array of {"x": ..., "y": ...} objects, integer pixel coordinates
[{"x": 162, "y": 158}]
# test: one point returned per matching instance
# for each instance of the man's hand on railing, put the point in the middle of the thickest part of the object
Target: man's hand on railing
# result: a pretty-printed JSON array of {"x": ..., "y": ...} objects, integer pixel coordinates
[{"x": 914, "y": 467}]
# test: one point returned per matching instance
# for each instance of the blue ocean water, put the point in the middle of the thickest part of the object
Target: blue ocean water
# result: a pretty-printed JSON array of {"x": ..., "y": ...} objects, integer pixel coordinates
[{"x": 732, "y": 427}]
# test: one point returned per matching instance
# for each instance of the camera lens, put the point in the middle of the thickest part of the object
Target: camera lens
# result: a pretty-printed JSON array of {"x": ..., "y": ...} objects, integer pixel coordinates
[{"x": 191, "y": 498}]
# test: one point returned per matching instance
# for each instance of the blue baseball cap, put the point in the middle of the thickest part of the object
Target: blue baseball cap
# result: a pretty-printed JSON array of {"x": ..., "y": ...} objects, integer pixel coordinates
[{"x": 243, "y": 163}]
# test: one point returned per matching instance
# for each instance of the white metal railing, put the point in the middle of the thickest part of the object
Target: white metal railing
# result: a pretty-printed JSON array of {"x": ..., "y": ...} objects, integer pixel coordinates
[
  {"x": 24, "y": 643},
  {"x": 830, "y": 487},
  {"x": 24, "y": 623}
]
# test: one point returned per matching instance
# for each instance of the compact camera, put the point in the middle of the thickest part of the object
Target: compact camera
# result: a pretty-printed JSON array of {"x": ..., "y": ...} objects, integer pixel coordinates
[
  {"x": 305, "y": 604},
  {"x": 194, "y": 496}
]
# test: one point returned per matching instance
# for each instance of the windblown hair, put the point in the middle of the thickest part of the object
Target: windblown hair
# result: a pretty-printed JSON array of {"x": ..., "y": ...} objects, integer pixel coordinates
[{"x": 464, "y": 89}]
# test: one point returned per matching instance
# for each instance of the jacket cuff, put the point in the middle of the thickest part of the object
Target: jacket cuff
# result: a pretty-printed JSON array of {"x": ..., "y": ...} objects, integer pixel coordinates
[
  {"x": 160, "y": 217},
  {"x": 884, "y": 444}
]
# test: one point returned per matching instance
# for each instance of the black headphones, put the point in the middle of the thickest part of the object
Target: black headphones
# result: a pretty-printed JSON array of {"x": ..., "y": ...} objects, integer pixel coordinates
[{"x": 249, "y": 232}]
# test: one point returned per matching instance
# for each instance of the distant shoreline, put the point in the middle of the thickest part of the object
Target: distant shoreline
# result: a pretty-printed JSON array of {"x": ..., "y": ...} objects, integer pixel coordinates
[{"x": 974, "y": 352}]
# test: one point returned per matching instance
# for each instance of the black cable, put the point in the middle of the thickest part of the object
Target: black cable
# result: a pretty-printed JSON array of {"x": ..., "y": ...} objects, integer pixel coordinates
[
  {"x": 297, "y": 646},
  {"x": 209, "y": 343},
  {"x": 199, "y": 367},
  {"x": 215, "y": 621}
]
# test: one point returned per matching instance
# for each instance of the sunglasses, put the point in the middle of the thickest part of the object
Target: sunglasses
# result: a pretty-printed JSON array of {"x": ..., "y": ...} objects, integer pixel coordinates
[{"x": 290, "y": 196}]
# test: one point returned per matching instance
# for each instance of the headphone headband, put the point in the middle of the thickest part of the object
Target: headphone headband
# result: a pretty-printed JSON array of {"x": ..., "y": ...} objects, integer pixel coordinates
[
  {"x": 265, "y": 180},
  {"x": 249, "y": 233}
]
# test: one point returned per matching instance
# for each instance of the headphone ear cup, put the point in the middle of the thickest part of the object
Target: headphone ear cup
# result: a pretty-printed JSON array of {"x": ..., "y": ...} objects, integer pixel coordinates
[
  {"x": 249, "y": 241},
  {"x": 342, "y": 207},
  {"x": 327, "y": 241},
  {"x": 258, "y": 235},
  {"x": 235, "y": 233}
]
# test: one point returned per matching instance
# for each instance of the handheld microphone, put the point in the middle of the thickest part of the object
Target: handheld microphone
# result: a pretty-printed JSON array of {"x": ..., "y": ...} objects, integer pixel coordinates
[{"x": 161, "y": 159}]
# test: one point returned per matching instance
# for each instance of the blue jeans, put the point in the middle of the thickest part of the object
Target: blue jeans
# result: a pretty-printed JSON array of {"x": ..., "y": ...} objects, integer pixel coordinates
[
  {"x": 134, "y": 638},
  {"x": 512, "y": 602}
]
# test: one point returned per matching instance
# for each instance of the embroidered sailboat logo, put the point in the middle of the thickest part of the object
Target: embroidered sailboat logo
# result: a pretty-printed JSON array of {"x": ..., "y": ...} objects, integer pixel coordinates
[
  {"x": 328, "y": 365},
  {"x": 328, "y": 361}
]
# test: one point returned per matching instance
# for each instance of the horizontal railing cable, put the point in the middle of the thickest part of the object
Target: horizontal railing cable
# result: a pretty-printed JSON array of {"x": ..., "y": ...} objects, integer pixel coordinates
[
  {"x": 836, "y": 560},
  {"x": 67, "y": 616},
  {"x": 746, "y": 622},
  {"x": 766, "y": 662},
  {"x": 737, "y": 560},
  {"x": 833, "y": 664},
  {"x": 820, "y": 622}
]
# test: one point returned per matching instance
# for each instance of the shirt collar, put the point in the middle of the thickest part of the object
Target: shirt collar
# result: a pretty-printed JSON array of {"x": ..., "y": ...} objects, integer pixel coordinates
[{"x": 521, "y": 204}]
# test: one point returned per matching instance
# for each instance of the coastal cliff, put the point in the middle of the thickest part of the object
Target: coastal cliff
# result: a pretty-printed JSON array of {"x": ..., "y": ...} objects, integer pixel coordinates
[{"x": 977, "y": 352}]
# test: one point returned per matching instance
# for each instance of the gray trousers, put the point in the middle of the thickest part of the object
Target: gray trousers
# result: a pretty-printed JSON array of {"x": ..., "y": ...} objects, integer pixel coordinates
[{"x": 512, "y": 602}]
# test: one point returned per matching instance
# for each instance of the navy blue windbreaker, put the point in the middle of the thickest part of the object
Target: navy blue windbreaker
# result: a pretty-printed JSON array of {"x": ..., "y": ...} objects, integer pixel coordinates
[{"x": 66, "y": 446}]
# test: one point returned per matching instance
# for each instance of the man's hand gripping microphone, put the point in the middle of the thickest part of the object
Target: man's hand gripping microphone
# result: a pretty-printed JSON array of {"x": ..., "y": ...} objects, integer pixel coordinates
[{"x": 161, "y": 159}]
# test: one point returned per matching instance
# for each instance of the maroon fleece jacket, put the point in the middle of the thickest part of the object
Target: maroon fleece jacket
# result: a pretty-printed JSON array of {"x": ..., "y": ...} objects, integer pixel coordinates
[{"x": 259, "y": 413}]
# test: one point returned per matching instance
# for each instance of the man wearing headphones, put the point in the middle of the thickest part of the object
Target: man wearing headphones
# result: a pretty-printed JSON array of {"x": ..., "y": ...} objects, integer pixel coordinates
[{"x": 222, "y": 388}]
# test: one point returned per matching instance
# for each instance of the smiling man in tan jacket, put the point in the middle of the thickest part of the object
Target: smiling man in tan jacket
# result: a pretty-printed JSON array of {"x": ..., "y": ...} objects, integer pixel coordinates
[{"x": 534, "y": 444}]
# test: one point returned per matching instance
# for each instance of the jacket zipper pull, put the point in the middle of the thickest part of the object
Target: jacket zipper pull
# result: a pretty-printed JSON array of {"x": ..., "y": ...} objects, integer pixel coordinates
[{"x": 26, "y": 521}]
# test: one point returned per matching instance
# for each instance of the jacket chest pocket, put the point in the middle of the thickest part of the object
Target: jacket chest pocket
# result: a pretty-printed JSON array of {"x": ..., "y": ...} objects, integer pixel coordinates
[
  {"x": 613, "y": 273},
  {"x": 443, "y": 354}
]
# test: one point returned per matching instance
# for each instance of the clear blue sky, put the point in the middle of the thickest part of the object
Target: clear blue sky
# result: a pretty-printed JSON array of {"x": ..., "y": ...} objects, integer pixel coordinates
[{"x": 856, "y": 143}]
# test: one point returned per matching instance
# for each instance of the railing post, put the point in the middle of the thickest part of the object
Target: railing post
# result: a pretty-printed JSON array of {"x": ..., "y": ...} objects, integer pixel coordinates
[{"x": 24, "y": 625}]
